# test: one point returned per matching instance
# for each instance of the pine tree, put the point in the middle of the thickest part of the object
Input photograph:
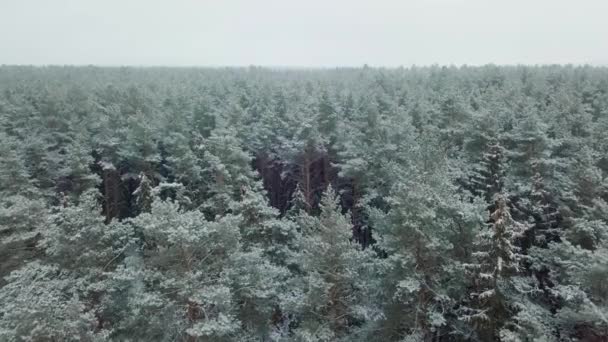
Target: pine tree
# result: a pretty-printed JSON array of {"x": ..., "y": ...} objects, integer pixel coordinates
[
  {"x": 44, "y": 303},
  {"x": 75, "y": 176},
  {"x": 22, "y": 211},
  {"x": 260, "y": 272},
  {"x": 496, "y": 261},
  {"x": 143, "y": 194},
  {"x": 67, "y": 287},
  {"x": 332, "y": 275},
  {"x": 178, "y": 280},
  {"x": 421, "y": 279},
  {"x": 226, "y": 171},
  {"x": 488, "y": 176}
]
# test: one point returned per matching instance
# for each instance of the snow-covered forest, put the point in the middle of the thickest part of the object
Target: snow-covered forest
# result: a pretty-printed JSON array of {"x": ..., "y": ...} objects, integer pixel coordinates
[{"x": 349, "y": 204}]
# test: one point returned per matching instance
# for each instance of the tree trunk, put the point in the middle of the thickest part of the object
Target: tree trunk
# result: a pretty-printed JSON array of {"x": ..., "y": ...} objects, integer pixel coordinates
[{"x": 306, "y": 186}]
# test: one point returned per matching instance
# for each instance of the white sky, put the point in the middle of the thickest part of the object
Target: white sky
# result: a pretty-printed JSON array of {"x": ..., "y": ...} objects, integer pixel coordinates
[{"x": 303, "y": 33}]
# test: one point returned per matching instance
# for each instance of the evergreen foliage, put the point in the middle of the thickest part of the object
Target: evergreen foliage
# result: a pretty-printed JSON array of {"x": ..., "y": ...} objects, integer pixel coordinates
[{"x": 352, "y": 204}]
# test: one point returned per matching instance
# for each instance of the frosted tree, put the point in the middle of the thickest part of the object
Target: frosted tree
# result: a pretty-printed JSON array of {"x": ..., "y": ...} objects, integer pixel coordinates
[
  {"x": 43, "y": 303},
  {"x": 75, "y": 175},
  {"x": 371, "y": 158},
  {"x": 260, "y": 273},
  {"x": 332, "y": 279},
  {"x": 143, "y": 194},
  {"x": 496, "y": 262},
  {"x": 488, "y": 176},
  {"x": 176, "y": 281},
  {"x": 68, "y": 286},
  {"x": 22, "y": 210},
  {"x": 425, "y": 236},
  {"x": 261, "y": 227},
  {"x": 226, "y": 170}
]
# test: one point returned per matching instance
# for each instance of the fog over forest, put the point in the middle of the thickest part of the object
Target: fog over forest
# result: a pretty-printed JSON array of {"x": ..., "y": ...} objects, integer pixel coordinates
[{"x": 312, "y": 33}]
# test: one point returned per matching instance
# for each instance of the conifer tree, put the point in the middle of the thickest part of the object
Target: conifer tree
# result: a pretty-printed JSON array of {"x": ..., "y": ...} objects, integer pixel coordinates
[
  {"x": 332, "y": 275},
  {"x": 143, "y": 194},
  {"x": 22, "y": 211},
  {"x": 496, "y": 261},
  {"x": 226, "y": 171},
  {"x": 177, "y": 281},
  {"x": 67, "y": 287},
  {"x": 488, "y": 176}
]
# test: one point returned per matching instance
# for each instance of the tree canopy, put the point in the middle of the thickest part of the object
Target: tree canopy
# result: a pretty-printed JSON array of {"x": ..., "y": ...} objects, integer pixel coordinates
[{"x": 348, "y": 204}]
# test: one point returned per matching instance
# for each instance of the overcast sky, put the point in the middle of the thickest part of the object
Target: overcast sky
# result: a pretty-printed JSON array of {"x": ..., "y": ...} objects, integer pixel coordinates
[{"x": 303, "y": 33}]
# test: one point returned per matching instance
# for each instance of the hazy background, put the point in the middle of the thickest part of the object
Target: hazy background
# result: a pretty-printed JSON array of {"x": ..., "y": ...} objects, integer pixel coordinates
[{"x": 303, "y": 33}]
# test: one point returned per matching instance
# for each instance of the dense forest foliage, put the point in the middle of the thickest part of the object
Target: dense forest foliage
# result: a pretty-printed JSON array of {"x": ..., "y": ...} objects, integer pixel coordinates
[{"x": 349, "y": 204}]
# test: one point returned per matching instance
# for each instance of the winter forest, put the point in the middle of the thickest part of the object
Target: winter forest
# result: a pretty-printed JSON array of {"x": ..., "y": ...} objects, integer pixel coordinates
[{"x": 347, "y": 204}]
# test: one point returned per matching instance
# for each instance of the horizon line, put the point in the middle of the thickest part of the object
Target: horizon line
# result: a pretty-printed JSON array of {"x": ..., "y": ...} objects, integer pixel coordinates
[{"x": 301, "y": 67}]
